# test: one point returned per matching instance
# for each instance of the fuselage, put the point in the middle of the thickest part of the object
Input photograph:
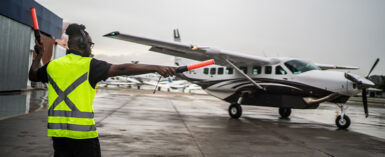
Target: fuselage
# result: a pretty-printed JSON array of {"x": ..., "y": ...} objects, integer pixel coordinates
[{"x": 290, "y": 77}]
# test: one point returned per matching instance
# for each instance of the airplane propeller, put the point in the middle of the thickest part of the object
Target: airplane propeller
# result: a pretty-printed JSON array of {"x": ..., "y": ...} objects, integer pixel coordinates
[
  {"x": 364, "y": 97},
  {"x": 374, "y": 65},
  {"x": 363, "y": 86}
]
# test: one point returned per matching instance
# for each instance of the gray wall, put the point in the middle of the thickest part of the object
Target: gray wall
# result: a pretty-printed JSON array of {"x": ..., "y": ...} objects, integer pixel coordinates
[
  {"x": 11, "y": 105},
  {"x": 14, "y": 51}
]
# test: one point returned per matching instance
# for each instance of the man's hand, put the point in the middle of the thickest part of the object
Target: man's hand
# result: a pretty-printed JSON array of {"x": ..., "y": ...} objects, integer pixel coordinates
[
  {"x": 166, "y": 71},
  {"x": 36, "y": 62},
  {"x": 39, "y": 47}
]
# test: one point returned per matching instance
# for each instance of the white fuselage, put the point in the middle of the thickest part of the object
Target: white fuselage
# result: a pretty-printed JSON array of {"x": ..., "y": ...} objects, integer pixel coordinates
[{"x": 227, "y": 80}]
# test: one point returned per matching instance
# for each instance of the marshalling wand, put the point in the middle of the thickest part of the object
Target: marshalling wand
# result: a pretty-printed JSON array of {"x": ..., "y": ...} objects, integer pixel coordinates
[
  {"x": 35, "y": 27},
  {"x": 182, "y": 69}
]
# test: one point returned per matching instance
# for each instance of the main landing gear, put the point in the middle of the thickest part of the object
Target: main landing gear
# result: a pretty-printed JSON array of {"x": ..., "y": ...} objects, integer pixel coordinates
[
  {"x": 284, "y": 112},
  {"x": 235, "y": 110},
  {"x": 342, "y": 120}
]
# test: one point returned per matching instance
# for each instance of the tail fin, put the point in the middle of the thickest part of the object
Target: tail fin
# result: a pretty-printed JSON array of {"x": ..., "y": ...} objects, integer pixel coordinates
[
  {"x": 179, "y": 61},
  {"x": 176, "y": 35}
]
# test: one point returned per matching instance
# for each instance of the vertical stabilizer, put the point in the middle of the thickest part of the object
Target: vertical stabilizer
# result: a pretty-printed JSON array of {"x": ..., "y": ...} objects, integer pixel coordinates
[
  {"x": 176, "y": 35},
  {"x": 179, "y": 61}
]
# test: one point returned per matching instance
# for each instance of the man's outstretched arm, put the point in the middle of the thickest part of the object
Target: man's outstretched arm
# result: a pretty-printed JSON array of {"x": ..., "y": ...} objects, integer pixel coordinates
[
  {"x": 137, "y": 69},
  {"x": 36, "y": 62}
]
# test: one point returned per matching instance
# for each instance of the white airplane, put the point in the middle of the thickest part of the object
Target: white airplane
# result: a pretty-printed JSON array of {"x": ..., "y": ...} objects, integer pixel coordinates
[
  {"x": 119, "y": 81},
  {"x": 242, "y": 79}
]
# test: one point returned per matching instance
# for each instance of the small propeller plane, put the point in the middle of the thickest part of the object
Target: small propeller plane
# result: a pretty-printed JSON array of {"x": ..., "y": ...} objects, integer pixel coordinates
[{"x": 242, "y": 79}]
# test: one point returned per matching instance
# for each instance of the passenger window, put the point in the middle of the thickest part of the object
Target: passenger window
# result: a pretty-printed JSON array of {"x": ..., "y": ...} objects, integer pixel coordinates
[
  {"x": 206, "y": 71},
  {"x": 243, "y": 69},
  {"x": 279, "y": 70},
  {"x": 268, "y": 70},
  {"x": 256, "y": 70},
  {"x": 213, "y": 71},
  {"x": 220, "y": 71},
  {"x": 229, "y": 71}
]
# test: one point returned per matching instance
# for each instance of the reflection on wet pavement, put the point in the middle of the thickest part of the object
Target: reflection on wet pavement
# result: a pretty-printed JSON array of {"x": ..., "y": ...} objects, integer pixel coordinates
[{"x": 22, "y": 102}]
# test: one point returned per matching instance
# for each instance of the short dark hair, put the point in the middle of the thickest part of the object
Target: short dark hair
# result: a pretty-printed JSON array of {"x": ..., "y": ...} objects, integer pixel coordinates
[{"x": 74, "y": 33}]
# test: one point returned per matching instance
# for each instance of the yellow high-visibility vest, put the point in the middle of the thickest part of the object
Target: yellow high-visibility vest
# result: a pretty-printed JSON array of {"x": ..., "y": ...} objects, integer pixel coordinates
[{"x": 70, "y": 98}]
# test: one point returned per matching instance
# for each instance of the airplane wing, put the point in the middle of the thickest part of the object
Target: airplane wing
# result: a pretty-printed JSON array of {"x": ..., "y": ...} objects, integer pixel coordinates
[
  {"x": 194, "y": 52},
  {"x": 135, "y": 81},
  {"x": 329, "y": 66}
]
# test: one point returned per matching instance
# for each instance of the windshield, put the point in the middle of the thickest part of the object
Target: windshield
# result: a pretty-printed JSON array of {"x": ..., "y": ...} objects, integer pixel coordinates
[{"x": 298, "y": 66}]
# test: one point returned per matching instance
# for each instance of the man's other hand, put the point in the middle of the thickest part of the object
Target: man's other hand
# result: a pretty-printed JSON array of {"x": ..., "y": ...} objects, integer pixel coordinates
[
  {"x": 39, "y": 47},
  {"x": 166, "y": 71}
]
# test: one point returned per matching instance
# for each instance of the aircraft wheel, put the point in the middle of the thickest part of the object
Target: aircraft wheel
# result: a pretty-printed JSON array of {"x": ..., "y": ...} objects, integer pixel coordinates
[
  {"x": 343, "y": 123},
  {"x": 235, "y": 110},
  {"x": 284, "y": 112},
  {"x": 138, "y": 87},
  {"x": 159, "y": 88}
]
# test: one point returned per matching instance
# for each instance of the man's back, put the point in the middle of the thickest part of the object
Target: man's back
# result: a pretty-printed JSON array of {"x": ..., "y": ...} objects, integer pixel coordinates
[{"x": 70, "y": 98}]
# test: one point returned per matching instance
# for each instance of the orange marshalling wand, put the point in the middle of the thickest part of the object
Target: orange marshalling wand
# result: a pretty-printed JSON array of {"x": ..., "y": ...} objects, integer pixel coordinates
[
  {"x": 35, "y": 27},
  {"x": 194, "y": 66},
  {"x": 34, "y": 19}
]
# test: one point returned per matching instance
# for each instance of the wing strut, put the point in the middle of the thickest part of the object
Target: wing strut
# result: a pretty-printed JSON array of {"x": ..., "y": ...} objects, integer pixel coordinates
[{"x": 246, "y": 76}]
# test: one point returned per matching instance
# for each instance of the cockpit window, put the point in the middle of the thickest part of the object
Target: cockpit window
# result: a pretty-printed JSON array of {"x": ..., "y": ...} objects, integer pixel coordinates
[{"x": 298, "y": 66}]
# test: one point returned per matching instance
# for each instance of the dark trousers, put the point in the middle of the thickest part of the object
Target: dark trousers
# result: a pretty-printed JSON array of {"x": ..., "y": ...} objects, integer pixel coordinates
[{"x": 67, "y": 147}]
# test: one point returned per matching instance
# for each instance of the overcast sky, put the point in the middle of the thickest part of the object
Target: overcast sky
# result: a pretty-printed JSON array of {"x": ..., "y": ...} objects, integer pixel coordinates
[{"x": 341, "y": 32}]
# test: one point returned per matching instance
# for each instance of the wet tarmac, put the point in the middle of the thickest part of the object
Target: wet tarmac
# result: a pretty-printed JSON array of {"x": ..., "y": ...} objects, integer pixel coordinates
[{"x": 139, "y": 123}]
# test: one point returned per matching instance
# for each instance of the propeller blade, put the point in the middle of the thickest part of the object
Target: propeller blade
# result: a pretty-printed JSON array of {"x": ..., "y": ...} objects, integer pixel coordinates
[
  {"x": 374, "y": 65},
  {"x": 365, "y": 102}
]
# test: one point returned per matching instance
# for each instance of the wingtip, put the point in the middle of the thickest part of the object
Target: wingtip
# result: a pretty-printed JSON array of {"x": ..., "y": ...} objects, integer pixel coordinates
[{"x": 115, "y": 33}]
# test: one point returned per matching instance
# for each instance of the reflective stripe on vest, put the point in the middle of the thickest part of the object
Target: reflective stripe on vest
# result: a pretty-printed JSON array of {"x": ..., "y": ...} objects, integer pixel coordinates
[
  {"x": 73, "y": 127},
  {"x": 63, "y": 96}
]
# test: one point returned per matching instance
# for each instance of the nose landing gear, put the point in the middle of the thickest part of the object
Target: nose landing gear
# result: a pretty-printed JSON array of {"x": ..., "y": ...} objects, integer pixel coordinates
[{"x": 342, "y": 120}]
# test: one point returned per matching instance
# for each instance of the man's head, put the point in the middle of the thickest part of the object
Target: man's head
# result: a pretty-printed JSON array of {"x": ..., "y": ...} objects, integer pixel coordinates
[{"x": 78, "y": 39}]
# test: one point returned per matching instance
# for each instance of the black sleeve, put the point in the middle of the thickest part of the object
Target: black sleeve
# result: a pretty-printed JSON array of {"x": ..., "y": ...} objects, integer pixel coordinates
[
  {"x": 98, "y": 71},
  {"x": 42, "y": 75}
]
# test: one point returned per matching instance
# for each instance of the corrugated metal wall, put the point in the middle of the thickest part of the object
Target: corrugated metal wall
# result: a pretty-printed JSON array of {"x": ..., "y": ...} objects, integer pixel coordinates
[
  {"x": 19, "y": 10},
  {"x": 14, "y": 52}
]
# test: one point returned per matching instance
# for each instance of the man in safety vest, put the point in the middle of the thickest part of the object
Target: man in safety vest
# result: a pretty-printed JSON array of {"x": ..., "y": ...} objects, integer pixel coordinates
[{"x": 71, "y": 90}]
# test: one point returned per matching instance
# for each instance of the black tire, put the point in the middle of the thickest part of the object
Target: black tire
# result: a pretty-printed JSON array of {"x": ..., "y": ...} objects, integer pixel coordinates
[
  {"x": 235, "y": 110},
  {"x": 343, "y": 124},
  {"x": 284, "y": 112}
]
